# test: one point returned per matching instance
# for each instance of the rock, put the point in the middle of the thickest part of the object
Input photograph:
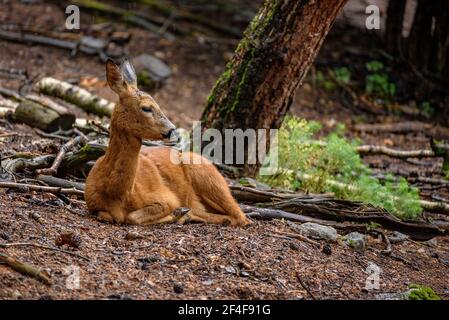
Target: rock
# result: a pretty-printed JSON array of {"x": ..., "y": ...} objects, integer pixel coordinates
[
  {"x": 178, "y": 288},
  {"x": 318, "y": 231},
  {"x": 327, "y": 249},
  {"x": 152, "y": 67},
  {"x": 392, "y": 296},
  {"x": 132, "y": 235},
  {"x": 208, "y": 282},
  {"x": 244, "y": 274},
  {"x": 294, "y": 246},
  {"x": 16, "y": 295},
  {"x": 356, "y": 240},
  {"x": 230, "y": 269},
  {"x": 398, "y": 237},
  {"x": 119, "y": 296},
  {"x": 249, "y": 182}
]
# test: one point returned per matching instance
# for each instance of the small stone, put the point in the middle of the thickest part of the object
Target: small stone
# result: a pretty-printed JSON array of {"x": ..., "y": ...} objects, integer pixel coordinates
[
  {"x": 4, "y": 236},
  {"x": 208, "y": 282},
  {"x": 398, "y": 237},
  {"x": 327, "y": 249},
  {"x": 16, "y": 295},
  {"x": 178, "y": 288},
  {"x": 294, "y": 246},
  {"x": 132, "y": 235},
  {"x": 318, "y": 231},
  {"x": 244, "y": 274},
  {"x": 156, "y": 69},
  {"x": 230, "y": 269},
  {"x": 356, "y": 241},
  {"x": 119, "y": 296}
]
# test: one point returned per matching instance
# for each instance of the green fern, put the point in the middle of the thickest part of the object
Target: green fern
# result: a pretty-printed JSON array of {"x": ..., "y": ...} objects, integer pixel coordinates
[{"x": 334, "y": 158}]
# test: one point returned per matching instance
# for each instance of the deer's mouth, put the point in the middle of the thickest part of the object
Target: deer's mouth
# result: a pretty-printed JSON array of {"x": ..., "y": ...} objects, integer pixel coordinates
[{"x": 171, "y": 136}]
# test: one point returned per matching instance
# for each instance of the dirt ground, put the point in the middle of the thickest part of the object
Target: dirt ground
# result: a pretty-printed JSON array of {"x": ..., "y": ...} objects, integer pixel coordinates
[{"x": 192, "y": 261}]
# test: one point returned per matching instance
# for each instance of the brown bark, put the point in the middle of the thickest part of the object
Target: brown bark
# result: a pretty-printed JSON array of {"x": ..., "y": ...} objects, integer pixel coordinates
[{"x": 258, "y": 85}]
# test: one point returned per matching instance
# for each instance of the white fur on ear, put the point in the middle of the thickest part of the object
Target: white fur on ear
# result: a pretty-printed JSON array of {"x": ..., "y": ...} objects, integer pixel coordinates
[{"x": 128, "y": 73}]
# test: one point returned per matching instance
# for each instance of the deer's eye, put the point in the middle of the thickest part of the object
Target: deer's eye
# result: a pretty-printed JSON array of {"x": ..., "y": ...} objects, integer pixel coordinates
[{"x": 147, "y": 109}]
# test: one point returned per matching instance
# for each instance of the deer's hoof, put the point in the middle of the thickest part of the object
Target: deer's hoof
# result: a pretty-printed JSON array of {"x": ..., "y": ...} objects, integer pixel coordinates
[{"x": 181, "y": 211}]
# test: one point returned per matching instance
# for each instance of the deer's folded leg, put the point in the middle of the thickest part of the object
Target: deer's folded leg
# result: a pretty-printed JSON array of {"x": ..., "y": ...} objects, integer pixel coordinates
[
  {"x": 196, "y": 215},
  {"x": 152, "y": 214}
]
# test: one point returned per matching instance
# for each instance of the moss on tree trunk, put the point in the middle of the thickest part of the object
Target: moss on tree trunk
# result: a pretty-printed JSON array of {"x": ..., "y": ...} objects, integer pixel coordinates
[{"x": 257, "y": 87}]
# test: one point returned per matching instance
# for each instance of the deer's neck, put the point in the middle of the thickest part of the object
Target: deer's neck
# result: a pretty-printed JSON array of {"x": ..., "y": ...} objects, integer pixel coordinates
[{"x": 120, "y": 162}]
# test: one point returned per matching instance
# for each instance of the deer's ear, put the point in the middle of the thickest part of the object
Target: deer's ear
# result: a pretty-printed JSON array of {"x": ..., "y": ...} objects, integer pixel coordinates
[
  {"x": 115, "y": 78},
  {"x": 128, "y": 73}
]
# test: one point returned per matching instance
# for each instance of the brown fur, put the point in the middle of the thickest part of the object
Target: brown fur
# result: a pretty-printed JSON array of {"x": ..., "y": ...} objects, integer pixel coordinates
[{"x": 135, "y": 185}]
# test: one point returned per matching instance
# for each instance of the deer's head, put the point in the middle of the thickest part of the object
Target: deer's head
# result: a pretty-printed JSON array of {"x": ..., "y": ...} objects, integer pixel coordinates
[{"x": 137, "y": 113}]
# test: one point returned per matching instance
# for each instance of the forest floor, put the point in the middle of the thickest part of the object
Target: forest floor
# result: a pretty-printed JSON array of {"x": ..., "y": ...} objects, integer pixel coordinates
[{"x": 197, "y": 261}]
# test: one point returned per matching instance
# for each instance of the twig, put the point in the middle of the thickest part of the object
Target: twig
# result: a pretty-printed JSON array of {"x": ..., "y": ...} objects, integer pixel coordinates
[
  {"x": 37, "y": 245},
  {"x": 30, "y": 187},
  {"x": 54, "y": 135},
  {"x": 58, "y": 160},
  {"x": 298, "y": 276},
  {"x": 405, "y": 127},
  {"x": 298, "y": 236},
  {"x": 25, "y": 268}
]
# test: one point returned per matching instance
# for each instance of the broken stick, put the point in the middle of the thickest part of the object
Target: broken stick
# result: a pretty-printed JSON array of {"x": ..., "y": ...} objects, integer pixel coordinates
[
  {"x": 58, "y": 160},
  {"x": 30, "y": 187},
  {"x": 25, "y": 268}
]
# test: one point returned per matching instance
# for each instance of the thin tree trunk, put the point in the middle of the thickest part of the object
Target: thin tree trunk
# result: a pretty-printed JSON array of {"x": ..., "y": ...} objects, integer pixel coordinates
[
  {"x": 440, "y": 42},
  {"x": 420, "y": 35},
  {"x": 257, "y": 87}
]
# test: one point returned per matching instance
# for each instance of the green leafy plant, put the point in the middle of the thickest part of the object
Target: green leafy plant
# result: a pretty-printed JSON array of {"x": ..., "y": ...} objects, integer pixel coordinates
[
  {"x": 323, "y": 82},
  {"x": 332, "y": 164},
  {"x": 427, "y": 109},
  {"x": 419, "y": 292},
  {"x": 377, "y": 81},
  {"x": 343, "y": 75}
]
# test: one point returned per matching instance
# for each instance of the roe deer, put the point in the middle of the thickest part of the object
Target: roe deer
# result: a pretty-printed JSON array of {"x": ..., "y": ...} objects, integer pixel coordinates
[{"x": 141, "y": 185}]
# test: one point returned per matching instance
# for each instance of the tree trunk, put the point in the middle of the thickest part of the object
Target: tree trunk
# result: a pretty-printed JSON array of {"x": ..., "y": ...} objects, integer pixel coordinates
[
  {"x": 257, "y": 87},
  {"x": 420, "y": 36},
  {"x": 440, "y": 42},
  {"x": 395, "y": 21}
]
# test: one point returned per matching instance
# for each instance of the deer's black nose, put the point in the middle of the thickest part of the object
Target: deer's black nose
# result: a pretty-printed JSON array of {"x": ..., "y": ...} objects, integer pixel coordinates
[{"x": 172, "y": 133}]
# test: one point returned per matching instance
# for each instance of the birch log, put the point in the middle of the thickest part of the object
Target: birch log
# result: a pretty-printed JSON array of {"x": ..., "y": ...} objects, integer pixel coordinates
[{"x": 75, "y": 95}]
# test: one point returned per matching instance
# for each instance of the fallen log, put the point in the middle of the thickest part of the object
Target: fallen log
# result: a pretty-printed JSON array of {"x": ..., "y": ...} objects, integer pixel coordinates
[
  {"x": 29, "y": 187},
  {"x": 87, "y": 45},
  {"x": 405, "y": 127},
  {"x": 61, "y": 183},
  {"x": 35, "y": 111},
  {"x": 75, "y": 95},
  {"x": 351, "y": 211},
  {"x": 179, "y": 14},
  {"x": 402, "y": 154},
  {"x": 136, "y": 18},
  {"x": 12, "y": 166},
  {"x": 38, "y": 116}
]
